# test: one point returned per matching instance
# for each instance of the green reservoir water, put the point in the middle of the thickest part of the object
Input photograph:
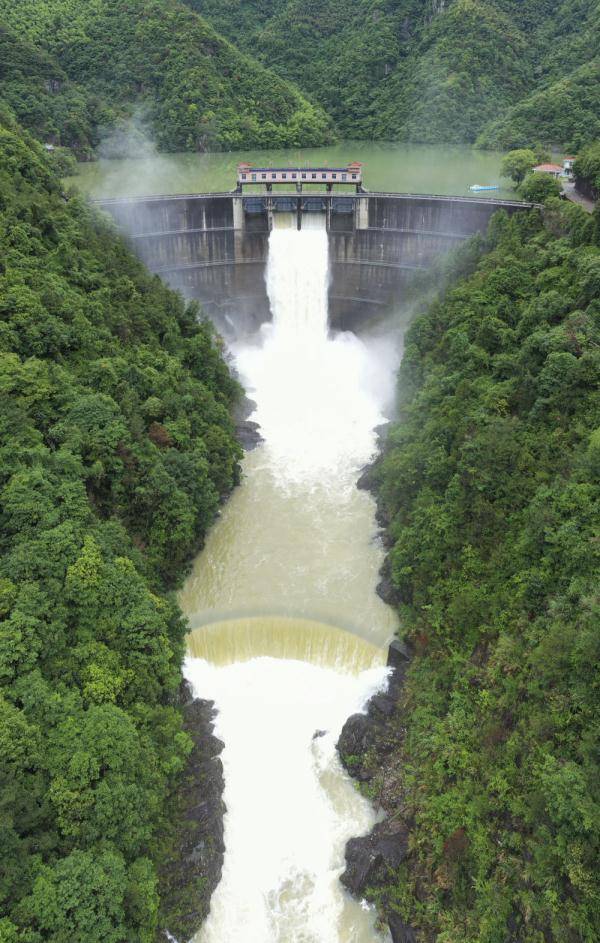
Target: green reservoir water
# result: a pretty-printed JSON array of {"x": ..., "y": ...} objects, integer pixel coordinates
[{"x": 389, "y": 167}]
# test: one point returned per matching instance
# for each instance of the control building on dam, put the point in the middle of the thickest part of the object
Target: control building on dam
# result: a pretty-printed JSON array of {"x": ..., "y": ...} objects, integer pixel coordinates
[{"x": 213, "y": 246}]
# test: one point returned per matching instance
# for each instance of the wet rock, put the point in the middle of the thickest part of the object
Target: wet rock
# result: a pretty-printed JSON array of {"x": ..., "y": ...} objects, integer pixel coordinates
[
  {"x": 368, "y": 859},
  {"x": 246, "y": 430},
  {"x": 365, "y": 741},
  {"x": 401, "y": 932},
  {"x": 192, "y": 869},
  {"x": 366, "y": 479},
  {"x": 385, "y": 588},
  {"x": 244, "y": 407},
  {"x": 382, "y": 432},
  {"x": 385, "y": 704},
  {"x": 399, "y": 654},
  {"x": 354, "y": 742},
  {"x": 248, "y": 434}
]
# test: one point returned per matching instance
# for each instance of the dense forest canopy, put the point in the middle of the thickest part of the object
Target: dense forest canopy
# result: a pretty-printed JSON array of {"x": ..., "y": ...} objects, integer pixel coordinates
[
  {"x": 587, "y": 170},
  {"x": 491, "y": 485},
  {"x": 457, "y": 71},
  {"x": 78, "y": 66},
  {"x": 206, "y": 74},
  {"x": 116, "y": 448}
]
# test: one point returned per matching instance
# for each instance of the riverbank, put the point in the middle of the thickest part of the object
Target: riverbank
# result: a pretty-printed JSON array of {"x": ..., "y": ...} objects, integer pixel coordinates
[
  {"x": 192, "y": 865},
  {"x": 489, "y": 484},
  {"x": 368, "y": 747}
]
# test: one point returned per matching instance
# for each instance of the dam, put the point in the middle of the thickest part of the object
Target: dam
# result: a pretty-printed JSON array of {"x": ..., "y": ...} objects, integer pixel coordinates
[
  {"x": 213, "y": 247},
  {"x": 288, "y": 635}
]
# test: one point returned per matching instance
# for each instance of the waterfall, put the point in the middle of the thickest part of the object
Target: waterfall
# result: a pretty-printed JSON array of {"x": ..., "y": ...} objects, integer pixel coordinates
[
  {"x": 234, "y": 640},
  {"x": 288, "y": 542},
  {"x": 318, "y": 396}
]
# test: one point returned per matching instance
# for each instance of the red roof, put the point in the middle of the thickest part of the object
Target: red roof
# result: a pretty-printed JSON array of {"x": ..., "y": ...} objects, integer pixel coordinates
[{"x": 549, "y": 168}]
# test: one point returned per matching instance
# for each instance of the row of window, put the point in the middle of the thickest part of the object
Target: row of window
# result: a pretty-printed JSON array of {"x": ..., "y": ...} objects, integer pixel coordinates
[{"x": 294, "y": 176}]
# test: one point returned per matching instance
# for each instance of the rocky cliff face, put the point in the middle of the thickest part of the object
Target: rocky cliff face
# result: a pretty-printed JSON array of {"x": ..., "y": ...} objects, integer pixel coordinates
[
  {"x": 192, "y": 868},
  {"x": 365, "y": 747}
]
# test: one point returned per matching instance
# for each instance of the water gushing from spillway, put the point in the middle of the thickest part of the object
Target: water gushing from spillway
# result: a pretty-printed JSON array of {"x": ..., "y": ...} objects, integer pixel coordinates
[
  {"x": 318, "y": 397},
  {"x": 291, "y": 560}
]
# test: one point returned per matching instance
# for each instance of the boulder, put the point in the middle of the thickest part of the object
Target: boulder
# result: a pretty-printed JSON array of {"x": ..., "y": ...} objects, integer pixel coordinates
[
  {"x": 401, "y": 932},
  {"x": 399, "y": 654},
  {"x": 370, "y": 856},
  {"x": 354, "y": 739},
  {"x": 248, "y": 434}
]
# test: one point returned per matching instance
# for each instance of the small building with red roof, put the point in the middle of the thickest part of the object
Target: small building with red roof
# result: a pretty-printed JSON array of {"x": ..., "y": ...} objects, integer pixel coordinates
[{"x": 555, "y": 170}]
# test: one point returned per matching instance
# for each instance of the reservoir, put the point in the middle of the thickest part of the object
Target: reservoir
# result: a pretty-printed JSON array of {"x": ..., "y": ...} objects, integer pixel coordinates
[{"x": 398, "y": 168}]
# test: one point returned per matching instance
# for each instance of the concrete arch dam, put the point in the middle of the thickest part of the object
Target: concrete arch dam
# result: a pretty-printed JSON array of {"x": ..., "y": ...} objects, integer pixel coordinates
[{"x": 214, "y": 246}]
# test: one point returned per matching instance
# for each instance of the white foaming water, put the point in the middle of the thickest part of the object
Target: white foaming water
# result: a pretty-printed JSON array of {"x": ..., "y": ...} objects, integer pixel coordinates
[
  {"x": 290, "y": 808},
  {"x": 317, "y": 395},
  {"x": 290, "y": 805}
]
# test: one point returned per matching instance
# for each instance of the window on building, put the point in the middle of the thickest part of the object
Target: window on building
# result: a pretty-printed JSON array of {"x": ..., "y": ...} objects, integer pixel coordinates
[
  {"x": 263, "y": 176},
  {"x": 335, "y": 176},
  {"x": 273, "y": 176},
  {"x": 243, "y": 176},
  {"x": 304, "y": 176},
  {"x": 294, "y": 176},
  {"x": 323, "y": 176},
  {"x": 314, "y": 176},
  {"x": 354, "y": 176},
  {"x": 344, "y": 176},
  {"x": 254, "y": 177},
  {"x": 284, "y": 176}
]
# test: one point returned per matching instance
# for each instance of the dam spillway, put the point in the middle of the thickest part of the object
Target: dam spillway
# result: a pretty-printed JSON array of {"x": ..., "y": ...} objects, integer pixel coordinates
[
  {"x": 288, "y": 636},
  {"x": 213, "y": 247}
]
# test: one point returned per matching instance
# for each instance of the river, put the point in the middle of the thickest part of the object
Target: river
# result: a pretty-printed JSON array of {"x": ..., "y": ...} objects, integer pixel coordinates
[{"x": 288, "y": 635}]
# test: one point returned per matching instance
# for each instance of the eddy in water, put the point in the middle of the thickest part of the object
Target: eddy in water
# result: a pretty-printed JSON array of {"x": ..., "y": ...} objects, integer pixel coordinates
[{"x": 293, "y": 550}]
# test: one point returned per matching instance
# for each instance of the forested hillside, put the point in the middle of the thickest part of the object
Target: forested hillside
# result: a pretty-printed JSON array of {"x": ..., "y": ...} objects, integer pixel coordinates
[
  {"x": 501, "y": 73},
  {"x": 587, "y": 171},
  {"x": 491, "y": 485},
  {"x": 441, "y": 72},
  {"x": 116, "y": 446},
  {"x": 80, "y": 65}
]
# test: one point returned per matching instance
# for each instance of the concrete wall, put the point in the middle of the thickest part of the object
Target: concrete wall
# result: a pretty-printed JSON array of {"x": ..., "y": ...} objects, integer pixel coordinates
[
  {"x": 214, "y": 247},
  {"x": 200, "y": 246}
]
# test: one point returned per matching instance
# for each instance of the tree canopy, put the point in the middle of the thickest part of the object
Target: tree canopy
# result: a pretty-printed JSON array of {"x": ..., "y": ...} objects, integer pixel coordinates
[
  {"x": 116, "y": 448},
  {"x": 491, "y": 486},
  {"x": 79, "y": 67},
  {"x": 500, "y": 72}
]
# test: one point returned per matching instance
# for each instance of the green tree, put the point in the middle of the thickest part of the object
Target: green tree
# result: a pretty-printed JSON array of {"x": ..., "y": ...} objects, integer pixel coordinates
[
  {"x": 539, "y": 187},
  {"x": 116, "y": 445},
  {"x": 517, "y": 164}
]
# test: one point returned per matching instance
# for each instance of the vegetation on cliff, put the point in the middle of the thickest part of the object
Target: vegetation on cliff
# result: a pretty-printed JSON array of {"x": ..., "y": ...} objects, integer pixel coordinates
[
  {"x": 564, "y": 112},
  {"x": 587, "y": 170},
  {"x": 116, "y": 445},
  {"x": 491, "y": 485},
  {"x": 81, "y": 65},
  {"x": 500, "y": 71}
]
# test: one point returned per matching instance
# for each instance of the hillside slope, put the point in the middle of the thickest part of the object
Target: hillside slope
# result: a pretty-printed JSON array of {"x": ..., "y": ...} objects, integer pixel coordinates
[
  {"x": 442, "y": 72},
  {"x": 491, "y": 485},
  {"x": 194, "y": 89},
  {"x": 116, "y": 445}
]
